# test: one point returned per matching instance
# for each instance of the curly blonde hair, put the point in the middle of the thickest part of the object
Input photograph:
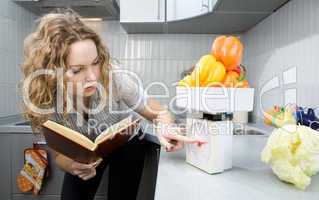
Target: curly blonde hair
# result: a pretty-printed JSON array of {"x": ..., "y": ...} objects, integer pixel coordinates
[{"x": 48, "y": 48}]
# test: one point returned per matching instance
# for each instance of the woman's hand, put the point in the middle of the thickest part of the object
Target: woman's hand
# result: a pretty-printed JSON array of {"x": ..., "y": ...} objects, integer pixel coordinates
[
  {"x": 173, "y": 139},
  {"x": 83, "y": 171},
  {"x": 170, "y": 136}
]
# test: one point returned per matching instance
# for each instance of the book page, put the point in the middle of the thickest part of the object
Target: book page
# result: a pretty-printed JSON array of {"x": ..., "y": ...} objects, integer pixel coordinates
[
  {"x": 70, "y": 134},
  {"x": 113, "y": 129}
]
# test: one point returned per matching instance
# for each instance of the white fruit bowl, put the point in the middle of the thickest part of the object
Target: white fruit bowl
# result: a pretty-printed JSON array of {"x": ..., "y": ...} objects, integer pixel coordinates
[{"x": 215, "y": 100}]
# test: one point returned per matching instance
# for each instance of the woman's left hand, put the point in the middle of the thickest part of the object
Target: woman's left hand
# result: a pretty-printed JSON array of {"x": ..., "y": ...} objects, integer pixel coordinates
[
  {"x": 173, "y": 140},
  {"x": 169, "y": 136}
]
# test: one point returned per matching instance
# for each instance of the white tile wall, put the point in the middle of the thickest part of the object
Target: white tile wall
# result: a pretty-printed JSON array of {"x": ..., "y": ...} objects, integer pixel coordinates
[
  {"x": 155, "y": 57},
  {"x": 15, "y": 24},
  {"x": 288, "y": 38}
]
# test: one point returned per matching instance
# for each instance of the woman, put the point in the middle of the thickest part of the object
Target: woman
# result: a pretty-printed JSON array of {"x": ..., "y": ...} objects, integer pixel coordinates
[{"x": 63, "y": 42}]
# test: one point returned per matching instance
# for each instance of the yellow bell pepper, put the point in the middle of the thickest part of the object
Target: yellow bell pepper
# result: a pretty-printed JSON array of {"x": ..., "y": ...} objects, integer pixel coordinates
[
  {"x": 187, "y": 82},
  {"x": 202, "y": 69},
  {"x": 208, "y": 71},
  {"x": 217, "y": 74}
]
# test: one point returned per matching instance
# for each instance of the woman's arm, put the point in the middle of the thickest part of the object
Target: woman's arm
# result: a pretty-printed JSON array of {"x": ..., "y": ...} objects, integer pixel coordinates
[
  {"x": 162, "y": 118},
  {"x": 62, "y": 161},
  {"x": 135, "y": 97},
  {"x": 84, "y": 171}
]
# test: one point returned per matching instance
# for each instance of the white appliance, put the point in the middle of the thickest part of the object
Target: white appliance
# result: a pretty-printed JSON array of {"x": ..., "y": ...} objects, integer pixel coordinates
[{"x": 216, "y": 155}]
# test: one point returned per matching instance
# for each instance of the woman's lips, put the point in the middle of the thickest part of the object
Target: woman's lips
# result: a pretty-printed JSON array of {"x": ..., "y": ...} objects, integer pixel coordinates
[{"x": 90, "y": 88}]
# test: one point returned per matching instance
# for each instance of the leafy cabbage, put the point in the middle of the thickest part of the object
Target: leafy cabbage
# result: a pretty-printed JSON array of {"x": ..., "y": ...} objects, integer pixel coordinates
[{"x": 293, "y": 153}]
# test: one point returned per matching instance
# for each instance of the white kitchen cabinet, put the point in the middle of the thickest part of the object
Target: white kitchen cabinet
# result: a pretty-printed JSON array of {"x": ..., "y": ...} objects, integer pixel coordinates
[
  {"x": 12, "y": 146},
  {"x": 142, "y": 11},
  {"x": 5, "y": 172},
  {"x": 183, "y": 9},
  {"x": 211, "y": 4},
  {"x": 194, "y": 16}
]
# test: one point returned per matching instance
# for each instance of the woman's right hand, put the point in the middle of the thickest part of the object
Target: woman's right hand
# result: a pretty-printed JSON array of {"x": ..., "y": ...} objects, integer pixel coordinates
[{"x": 83, "y": 171}]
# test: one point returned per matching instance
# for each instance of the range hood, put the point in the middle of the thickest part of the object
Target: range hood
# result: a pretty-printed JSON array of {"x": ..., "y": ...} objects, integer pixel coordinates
[{"x": 106, "y": 9}]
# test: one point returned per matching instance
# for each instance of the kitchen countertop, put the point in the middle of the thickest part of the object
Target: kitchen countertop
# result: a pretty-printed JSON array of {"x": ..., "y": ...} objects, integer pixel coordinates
[
  {"x": 260, "y": 126},
  {"x": 248, "y": 179},
  {"x": 7, "y": 125},
  {"x": 179, "y": 180}
]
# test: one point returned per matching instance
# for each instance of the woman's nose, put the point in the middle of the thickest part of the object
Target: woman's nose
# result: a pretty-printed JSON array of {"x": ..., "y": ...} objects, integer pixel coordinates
[{"x": 90, "y": 75}]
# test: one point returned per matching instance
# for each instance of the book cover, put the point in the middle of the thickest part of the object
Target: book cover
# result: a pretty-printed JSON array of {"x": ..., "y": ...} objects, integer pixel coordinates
[{"x": 80, "y": 148}]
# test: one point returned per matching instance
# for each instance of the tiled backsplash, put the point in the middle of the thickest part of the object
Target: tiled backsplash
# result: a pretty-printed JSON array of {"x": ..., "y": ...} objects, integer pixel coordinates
[
  {"x": 288, "y": 39},
  {"x": 15, "y": 23},
  {"x": 155, "y": 57}
]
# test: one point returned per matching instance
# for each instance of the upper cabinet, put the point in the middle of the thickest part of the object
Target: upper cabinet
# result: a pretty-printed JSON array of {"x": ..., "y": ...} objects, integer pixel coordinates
[
  {"x": 152, "y": 11},
  {"x": 144, "y": 11},
  {"x": 194, "y": 16},
  {"x": 185, "y": 9}
]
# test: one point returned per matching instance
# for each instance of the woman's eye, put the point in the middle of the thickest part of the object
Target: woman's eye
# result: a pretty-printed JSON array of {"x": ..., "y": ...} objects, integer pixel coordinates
[{"x": 75, "y": 71}]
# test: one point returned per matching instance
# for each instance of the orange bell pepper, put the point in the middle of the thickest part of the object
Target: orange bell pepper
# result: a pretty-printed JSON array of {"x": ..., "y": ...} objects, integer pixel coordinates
[
  {"x": 228, "y": 50},
  {"x": 231, "y": 79},
  {"x": 243, "y": 84}
]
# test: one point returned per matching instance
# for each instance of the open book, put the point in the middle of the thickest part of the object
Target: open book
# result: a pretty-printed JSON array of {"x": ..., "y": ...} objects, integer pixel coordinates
[{"x": 80, "y": 148}]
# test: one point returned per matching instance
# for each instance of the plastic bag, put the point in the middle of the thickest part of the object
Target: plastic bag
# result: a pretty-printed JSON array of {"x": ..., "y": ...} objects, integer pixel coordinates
[{"x": 34, "y": 171}]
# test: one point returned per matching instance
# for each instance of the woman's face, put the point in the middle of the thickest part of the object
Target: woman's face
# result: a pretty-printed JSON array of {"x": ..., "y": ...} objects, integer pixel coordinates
[{"x": 84, "y": 68}]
